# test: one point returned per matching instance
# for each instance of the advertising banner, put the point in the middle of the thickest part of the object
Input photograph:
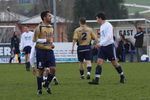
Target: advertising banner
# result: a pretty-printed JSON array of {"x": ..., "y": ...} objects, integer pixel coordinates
[{"x": 62, "y": 53}]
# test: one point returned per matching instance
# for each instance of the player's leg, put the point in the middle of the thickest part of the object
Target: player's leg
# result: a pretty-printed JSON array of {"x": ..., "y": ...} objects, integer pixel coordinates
[
  {"x": 98, "y": 71},
  {"x": 81, "y": 64},
  {"x": 12, "y": 56},
  {"x": 81, "y": 69},
  {"x": 18, "y": 54},
  {"x": 119, "y": 70},
  {"x": 40, "y": 68},
  {"x": 27, "y": 62},
  {"x": 88, "y": 57},
  {"x": 50, "y": 61},
  {"x": 89, "y": 68},
  {"x": 112, "y": 57},
  {"x": 45, "y": 74},
  {"x": 49, "y": 79},
  {"x": 19, "y": 59},
  {"x": 55, "y": 80},
  {"x": 39, "y": 80}
]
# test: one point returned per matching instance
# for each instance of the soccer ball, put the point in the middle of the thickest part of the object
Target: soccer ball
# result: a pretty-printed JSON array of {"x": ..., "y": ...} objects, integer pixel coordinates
[{"x": 144, "y": 58}]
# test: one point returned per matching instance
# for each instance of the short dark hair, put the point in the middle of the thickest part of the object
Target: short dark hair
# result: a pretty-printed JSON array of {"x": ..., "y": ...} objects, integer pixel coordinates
[
  {"x": 82, "y": 20},
  {"x": 101, "y": 15},
  {"x": 44, "y": 14}
]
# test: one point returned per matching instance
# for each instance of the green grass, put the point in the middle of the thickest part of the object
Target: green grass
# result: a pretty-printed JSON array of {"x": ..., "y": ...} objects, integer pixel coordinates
[{"x": 17, "y": 84}]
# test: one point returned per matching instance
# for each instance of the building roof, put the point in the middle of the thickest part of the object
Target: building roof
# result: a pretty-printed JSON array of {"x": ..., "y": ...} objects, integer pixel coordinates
[
  {"x": 37, "y": 19},
  {"x": 7, "y": 16}
]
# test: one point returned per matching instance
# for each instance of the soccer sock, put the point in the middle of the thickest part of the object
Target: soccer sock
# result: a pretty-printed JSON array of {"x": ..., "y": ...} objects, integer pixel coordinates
[
  {"x": 89, "y": 68},
  {"x": 28, "y": 64},
  {"x": 10, "y": 59},
  {"x": 54, "y": 77},
  {"x": 39, "y": 83},
  {"x": 119, "y": 70},
  {"x": 19, "y": 59},
  {"x": 49, "y": 79},
  {"x": 81, "y": 72},
  {"x": 98, "y": 72}
]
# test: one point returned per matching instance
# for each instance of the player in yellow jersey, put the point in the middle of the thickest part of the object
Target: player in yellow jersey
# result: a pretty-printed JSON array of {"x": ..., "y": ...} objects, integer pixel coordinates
[
  {"x": 83, "y": 36},
  {"x": 44, "y": 53}
]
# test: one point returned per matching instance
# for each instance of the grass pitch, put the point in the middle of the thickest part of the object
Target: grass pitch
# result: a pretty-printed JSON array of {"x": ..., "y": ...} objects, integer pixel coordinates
[{"x": 17, "y": 84}]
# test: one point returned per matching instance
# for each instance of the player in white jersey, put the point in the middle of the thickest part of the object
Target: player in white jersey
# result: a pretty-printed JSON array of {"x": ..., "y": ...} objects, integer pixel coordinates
[
  {"x": 106, "y": 49},
  {"x": 26, "y": 44},
  {"x": 33, "y": 60}
]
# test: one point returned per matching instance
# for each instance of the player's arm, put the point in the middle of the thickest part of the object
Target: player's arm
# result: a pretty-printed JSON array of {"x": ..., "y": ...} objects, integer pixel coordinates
[
  {"x": 93, "y": 35},
  {"x": 36, "y": 33},
  {"x": 73, "y": 44}
]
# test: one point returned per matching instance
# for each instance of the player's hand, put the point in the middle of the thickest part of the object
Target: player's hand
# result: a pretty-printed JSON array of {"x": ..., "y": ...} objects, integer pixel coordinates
[
  {"x": 33, "y": 71},
  {"x": 97, "y": 46},
  {"x": 52, "y": 46}
]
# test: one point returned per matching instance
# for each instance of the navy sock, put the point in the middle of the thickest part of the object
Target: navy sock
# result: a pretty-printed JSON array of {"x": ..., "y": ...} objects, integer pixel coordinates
[
  {"x": 10, "y": 59},
  {"x": 89, "y": 68},
  {"x": 49, "y": 79},
  {"x": 81, "y": 72},
  {"x": 19, "y": 59},
  {"x": 39, "y": 83},
  {"x": 98, "y": 70},
  {"x": 119, "y": 70},
  {"x": 28, "y": 64}
]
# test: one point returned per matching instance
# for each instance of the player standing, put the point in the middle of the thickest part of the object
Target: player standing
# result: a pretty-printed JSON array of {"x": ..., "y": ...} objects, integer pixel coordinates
[
  {"x": 26, "y": 45},
  {"x": 44, "y": 53},
  {"x": 106, "y": 49},
  {"x": 15, "y": 47},
  {"x": 83, "y": 36}
]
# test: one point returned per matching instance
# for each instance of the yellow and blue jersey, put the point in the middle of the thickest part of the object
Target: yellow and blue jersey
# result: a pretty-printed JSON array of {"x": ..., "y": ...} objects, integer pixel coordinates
[
  {"x": 83, "y": 35},
  {"x": 44, "y": 32}
]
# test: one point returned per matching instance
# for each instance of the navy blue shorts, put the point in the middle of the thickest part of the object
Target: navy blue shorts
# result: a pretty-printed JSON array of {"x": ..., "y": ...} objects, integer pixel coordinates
[
  {"x": 84, "y": 52},
  {"x": 27, "y": 49},
  {"x": 45, "y": 58},
  {"x": 107, "y": 52}
]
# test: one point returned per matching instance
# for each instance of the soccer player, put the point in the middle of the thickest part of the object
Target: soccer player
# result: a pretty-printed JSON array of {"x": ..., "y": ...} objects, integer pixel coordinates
[
  {"x": 106, "y": 49},
  {"x": 15, "y": 47},
  {"x": 139, "y": 37},
  {"x": 83, "y": 36},
  {"x": 44, "y": 53},
  {"x": 26, "y": 44}
]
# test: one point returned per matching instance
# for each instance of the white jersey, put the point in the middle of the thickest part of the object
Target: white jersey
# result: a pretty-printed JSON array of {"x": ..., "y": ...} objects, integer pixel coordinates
[
  {"x": 26, "y": 39},
  {"x": 106, "y": 34}
]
